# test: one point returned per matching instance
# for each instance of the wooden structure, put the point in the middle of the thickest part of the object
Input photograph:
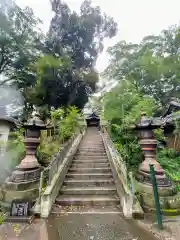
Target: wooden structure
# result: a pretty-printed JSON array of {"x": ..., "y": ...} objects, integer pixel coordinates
[
  {"x": 171, "y": 115},
  {"x": 93, "y": 120}
]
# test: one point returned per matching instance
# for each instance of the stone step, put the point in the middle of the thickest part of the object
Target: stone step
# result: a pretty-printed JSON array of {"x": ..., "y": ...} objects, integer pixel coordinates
[
  {"x": 72, "y": 209},
  {"x": 82, "y": 176},
  {"x": 71, "y": 190},
  {"x": 89, "y": 182},
  {"x": 84, "y": 200},
  {"x": 84, "y": 157},
  {"x": 91, "y": 154},
  {"x": 90, "y": 161},
  {"x": 90, "y": 170},
  {"x": 91, "y": 150},
  {"x": 94, "y": 144},
  {"x": 90, "y": 165},
  {"x": 95, "y": 147}
]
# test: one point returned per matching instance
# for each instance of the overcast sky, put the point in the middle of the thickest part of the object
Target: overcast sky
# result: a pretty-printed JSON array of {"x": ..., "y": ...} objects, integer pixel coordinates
[{"x": 136, "y": 18}]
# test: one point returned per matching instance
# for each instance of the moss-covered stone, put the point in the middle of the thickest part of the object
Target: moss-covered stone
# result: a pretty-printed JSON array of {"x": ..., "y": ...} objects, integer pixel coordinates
[{"x": 145, "y": 188}]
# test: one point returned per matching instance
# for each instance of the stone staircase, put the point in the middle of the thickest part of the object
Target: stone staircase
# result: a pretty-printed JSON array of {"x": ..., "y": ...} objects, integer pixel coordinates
[{"x": 89, "y": 183}]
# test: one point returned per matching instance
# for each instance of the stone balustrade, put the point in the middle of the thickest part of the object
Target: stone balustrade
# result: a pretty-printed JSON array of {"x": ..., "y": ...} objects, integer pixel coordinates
[
  {"x": 124, "y": 181},
  {"x": 53, "y": 176}
]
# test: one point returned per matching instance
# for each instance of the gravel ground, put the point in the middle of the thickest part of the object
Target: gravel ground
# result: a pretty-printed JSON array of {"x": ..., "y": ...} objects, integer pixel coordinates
[
  {"x": 90, "y": 227},
  {"x": 14, "y": 231},
  {"x": 171, "y": 229},
  {"x": 76, "y": 227}
]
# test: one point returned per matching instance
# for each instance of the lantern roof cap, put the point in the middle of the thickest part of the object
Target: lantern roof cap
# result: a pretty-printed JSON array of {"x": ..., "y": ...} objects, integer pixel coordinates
[
  {"x": 35, "y": 121},
  {"x": 148, "y": 122}
]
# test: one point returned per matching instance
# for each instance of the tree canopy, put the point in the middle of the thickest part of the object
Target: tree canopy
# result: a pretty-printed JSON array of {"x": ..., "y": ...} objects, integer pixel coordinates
[
  {"x": 152, "y": 66},
  {"x": 58, "y": 68}
]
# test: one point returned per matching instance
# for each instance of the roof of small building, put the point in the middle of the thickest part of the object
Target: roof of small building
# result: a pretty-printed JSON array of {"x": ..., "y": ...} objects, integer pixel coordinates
[
  {"x": 93, "y": 115},
  {"x": 173, "y": 106}
]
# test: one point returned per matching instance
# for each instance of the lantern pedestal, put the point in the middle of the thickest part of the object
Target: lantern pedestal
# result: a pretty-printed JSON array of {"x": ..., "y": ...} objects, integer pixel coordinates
[
  {"x": 29, "y": 169},
  {"x": 23, "y": 184},
  {"x": 149, "y": 149}
]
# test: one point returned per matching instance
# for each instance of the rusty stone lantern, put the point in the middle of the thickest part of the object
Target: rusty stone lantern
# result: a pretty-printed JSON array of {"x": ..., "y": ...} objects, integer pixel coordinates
[
  {"x": 29, "y": 169},
  {"x": 24, "y": 180},
  {"x": 167, "y": 192},
  {"x": 148, "y": 144}
]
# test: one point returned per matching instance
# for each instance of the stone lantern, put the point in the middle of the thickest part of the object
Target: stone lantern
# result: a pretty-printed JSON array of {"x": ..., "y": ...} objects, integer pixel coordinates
[
  {"x": 24, "y": 180},
  {"x": 148, "y": 143},
  {"x": 29, "y": 169}
]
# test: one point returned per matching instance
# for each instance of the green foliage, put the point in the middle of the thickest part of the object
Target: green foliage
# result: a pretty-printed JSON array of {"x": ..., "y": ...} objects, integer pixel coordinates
[
  {"x": 127, "y": 145},
  {"x": 18, "y": 36},
  {"x": 159, "y": 134},
  {"x": 67, "y": 123},
  {"x": 57, "y": 115},
  {"x": 151, "y": 66},
  {"x": 169, "y": 159},
  {"x": 15, "y": 147},
  {"x": 146, "y": 76},
  {"x": 122, "y": 108},
  {"x": 48, "y": 147},
  {"x": 126, "y": 103},
  {"x": 2, "y": 218},
  {"x": 56, "y": 69},
  {"x": 83, "y": 33}
]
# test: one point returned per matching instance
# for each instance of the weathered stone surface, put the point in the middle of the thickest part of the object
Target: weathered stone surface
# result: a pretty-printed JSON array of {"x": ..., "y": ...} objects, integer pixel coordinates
[
  {"x": 146, "y": 188},
  {"x": 21, "y": 186},
  {"x": 89, "y": 183},
  {"x": 76, "y": 227},
  {"x": 130, "y": 204},
  {"x": 29, "y": 194},
  {"x": 49, "y": 196},
  {"x": 170, "y": 202},
  {"x": 95, "y": 227}
]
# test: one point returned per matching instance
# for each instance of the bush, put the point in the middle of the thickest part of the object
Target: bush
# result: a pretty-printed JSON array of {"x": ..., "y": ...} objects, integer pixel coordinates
[
  {"x": 15, "y": 147},
  {"x": 66, "y": 123},
  {"x": 69, "y": 124},
  {"x": 47, "y": 148},
  {"x": 13, "y": 154},
  {"x": 2, "y": 218}
]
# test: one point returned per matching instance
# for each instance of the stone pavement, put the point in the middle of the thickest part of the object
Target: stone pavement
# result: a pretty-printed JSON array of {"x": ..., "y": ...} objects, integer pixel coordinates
[
  {"x": 76, "y": 227},
  {"x": 171, "y": 229},
  {"x": 18, "y": 231}
]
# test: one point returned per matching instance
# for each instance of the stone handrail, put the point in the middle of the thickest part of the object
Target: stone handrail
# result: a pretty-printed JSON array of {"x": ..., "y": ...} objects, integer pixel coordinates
[
  {"x": 58, "y": 158},
  {"x": 53, "y": 176},
  {"x": 49, "y": 172},
  {"x": 124, "y": 181},
  {"x": 119, "y": 163}
]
